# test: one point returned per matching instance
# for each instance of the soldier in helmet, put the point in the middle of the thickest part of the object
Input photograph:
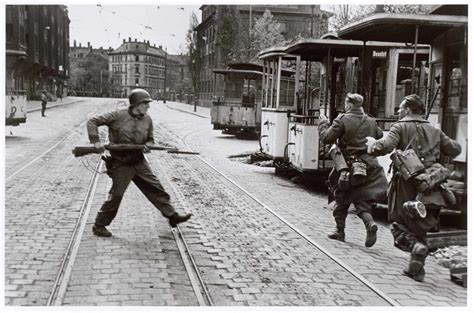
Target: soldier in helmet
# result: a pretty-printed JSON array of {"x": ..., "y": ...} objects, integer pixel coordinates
[
  {"x": 130, "y": 126},
  {"x": 361, "y": 180}
]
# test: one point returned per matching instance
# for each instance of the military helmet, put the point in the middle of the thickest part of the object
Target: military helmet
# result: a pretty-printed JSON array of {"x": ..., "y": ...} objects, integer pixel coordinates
[{"x": 138, "y": 96}]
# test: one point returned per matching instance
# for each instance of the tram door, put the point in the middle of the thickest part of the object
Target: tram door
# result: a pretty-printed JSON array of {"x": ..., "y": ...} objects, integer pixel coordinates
[{"x": 454, "y": 120}]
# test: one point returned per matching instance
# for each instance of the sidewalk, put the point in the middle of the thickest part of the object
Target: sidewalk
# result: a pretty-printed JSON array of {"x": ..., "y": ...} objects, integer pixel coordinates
[
  {"x": 35, "y": 105},
  {"x": 189, "y": 108}
]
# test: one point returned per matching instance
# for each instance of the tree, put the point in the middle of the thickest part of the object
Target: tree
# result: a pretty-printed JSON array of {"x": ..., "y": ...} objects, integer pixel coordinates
[
  {"x": 232, "y": 37},
  {"x": 191, "y": 43},
  {"x": 345, "y": 14},
  {"x": 265, "y": 33}
]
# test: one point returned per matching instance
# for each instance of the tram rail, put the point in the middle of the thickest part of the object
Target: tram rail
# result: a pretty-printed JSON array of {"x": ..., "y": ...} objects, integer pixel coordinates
[
  {"x": 342, "y": 264},
  {"x": 65, "y": 270}
]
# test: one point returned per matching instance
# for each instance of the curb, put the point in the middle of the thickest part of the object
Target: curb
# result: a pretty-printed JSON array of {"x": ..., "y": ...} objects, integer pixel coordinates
[
  {"x": 185, "y": 111},
  {"x": 53, "y": 106}
]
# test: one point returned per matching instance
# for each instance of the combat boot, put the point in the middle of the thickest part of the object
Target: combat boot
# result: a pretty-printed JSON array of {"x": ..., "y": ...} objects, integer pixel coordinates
[
  {"x": 371, "y": 236},
  {"x": 175, "y": 219},
  {"x": 101, "y": 231},
  {"x": 415, "y": 268},
  {"x": 338, "y": 234}
]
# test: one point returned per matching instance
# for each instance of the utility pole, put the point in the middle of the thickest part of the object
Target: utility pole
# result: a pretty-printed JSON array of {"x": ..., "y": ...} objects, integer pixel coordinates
[
  {"x": 250, "y": 31},
  {"x": 164, "y": 91}
]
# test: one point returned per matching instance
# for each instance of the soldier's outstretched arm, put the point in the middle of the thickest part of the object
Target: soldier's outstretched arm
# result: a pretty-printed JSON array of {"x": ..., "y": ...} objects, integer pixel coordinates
[{"x": 449, "y": 146}]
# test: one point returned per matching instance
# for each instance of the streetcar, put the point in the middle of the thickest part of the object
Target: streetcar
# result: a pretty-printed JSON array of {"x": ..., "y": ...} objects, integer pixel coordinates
[
  {"x": 445, "y": 30},
  {"x": 238, "y": 104},
  {"x": 373, "y": 69},
  {"x": 15, "y": 107},
  {"x": 15, "y": 97}
]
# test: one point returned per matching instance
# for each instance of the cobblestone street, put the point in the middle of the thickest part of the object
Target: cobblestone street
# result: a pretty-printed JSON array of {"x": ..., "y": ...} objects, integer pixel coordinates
[{"x": 245, "y": 253}]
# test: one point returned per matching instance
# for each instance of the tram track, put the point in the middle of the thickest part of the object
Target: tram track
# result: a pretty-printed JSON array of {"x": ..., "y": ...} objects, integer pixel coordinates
[
  {"x": 201, "y": 292},
  {"x": 65, "y": 270},
  {"x": 69, "y": 133},
  {"x": 300, "y": 233}
]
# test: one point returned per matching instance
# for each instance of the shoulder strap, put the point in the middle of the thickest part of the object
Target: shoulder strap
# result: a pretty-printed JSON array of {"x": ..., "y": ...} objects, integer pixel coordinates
[{"x": 412, "y": 138}]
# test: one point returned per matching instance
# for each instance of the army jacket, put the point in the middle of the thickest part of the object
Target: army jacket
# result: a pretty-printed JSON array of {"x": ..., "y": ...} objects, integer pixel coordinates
[
  {"x": 351, "y": 128},
  {"x": 124, "y": 128},
  {"x": 345, "y": 127},
  {"x": 428, "y": 143}
]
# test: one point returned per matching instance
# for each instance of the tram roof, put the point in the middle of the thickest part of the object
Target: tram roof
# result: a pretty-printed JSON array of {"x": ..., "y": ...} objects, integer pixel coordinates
[
  {"x": 250, "y": 73},
  {"x": 317, "y": 49},
  {"x": 235, "y": 71},
  {"x": 272, "y": 52},
  {"x": 401, "y": 27}
]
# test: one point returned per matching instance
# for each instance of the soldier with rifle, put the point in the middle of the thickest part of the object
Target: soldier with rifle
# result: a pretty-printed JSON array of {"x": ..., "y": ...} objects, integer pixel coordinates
[{"x": 130, "y": 126}]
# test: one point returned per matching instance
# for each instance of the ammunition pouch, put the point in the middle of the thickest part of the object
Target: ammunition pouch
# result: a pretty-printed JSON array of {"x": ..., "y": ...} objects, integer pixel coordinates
[
  {"x": 108, "y": 161},
  {"x": 358, "y": 172},
  {"x": 407, "y": 163}
]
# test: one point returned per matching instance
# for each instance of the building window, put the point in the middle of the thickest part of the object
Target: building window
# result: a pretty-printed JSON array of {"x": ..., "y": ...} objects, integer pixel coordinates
[
  {"x": 137, "y": 69},
  {"x": 137, "y": 81},
  {"x": 137, "y": 58}
]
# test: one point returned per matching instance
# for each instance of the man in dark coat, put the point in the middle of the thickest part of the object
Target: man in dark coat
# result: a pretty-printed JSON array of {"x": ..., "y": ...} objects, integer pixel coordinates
[
  {"x": 350, "y": 129},
  {"x": 130, "y": 126},
  {"x": 44, "y": 101},
  {"x": 410, "y": 231}
]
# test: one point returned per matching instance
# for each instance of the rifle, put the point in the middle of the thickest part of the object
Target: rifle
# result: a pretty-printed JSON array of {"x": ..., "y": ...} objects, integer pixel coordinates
[{"x": 84, "y": 150}]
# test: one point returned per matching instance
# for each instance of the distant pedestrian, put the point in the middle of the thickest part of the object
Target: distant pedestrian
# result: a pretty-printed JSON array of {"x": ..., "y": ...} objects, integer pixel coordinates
[
  {"x": 412, "y": 218},
  {"x": 44, "y": 101},
  {"x": 130, "y": 126},
  {"x": 356, "y": 177}
]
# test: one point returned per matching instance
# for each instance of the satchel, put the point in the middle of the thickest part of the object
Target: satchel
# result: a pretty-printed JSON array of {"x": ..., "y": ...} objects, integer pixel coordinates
[{"x": 407, "y": 163}]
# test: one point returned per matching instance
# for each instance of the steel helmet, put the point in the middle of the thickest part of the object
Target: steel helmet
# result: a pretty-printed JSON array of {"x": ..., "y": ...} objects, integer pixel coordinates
[{"x": 138, "y": 96}]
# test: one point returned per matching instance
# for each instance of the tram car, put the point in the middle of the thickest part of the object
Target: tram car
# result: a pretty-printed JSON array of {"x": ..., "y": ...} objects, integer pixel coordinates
[
  {"x": 15, "y": 107},
  {"x": 445, "y": 30},
  {"x": 15, "y": 97},
  {"x": 344, "y": 66},
  {"x": 238, "y": 106}
]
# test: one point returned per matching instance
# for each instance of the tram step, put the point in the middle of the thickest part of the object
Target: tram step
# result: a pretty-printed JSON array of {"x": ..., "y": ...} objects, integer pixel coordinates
[
  {"x": 459, "y": 276},
  {"x": 446, "y": 238}
]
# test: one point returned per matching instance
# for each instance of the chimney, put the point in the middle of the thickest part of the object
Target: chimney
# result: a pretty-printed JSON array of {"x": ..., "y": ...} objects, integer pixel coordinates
[
  {"x": 88, "y": 44},
  {"x": 80, "y": 45},
  {"x": 74, "y": 43},
  {"x": 129, "y": 39},
  {"x": 124, "y": 40},
  {"x": 160, "y": 47},
  {"x": 135, "y": 39}
]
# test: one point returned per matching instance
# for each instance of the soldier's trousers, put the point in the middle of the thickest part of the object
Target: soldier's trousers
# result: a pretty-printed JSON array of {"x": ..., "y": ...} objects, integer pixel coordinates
[
  {"x": 363, "y": 210},
  {"x": 144, "y": 178}
]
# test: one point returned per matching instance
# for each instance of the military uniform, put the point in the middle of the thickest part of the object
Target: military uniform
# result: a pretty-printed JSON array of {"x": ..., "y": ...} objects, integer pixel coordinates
[
  {"x": 429, "y": 142},
  {"x": 127, "y": 166},
  {"x": 352, "y": 128}
]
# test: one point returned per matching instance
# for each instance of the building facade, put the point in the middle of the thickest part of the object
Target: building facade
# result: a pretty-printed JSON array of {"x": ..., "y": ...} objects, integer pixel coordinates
[
  {"x": 137, "y": 65},
  {"x": 306, "y": 21},
  {"x": 37, "y": 48},
  {"x": 89, "y": 71}
]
